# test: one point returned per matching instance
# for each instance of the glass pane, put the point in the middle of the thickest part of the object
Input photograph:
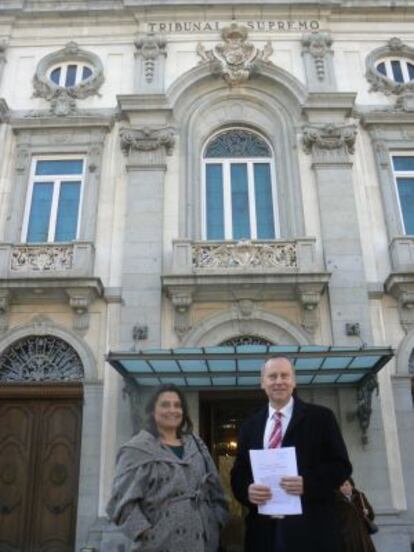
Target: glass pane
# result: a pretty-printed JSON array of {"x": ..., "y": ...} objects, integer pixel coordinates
[
  {"x": 64, "y": 166},
  {"x": 240, "y": 201},
  {"x": 406, "y": 193},
  {"x": 71, "y": 75},
  {"x": 55, "y": 75},
  {"x": 410, "y": 68},
  {"x": 214, "y": 202},
  {"x": 403, "y": 163},
  {"x": 86, "y": 73},
  {"x": 40, "y": 212},
  {"x": 381, "y": 68},
  {"x": 237, "y": 143},
  {"x": 67, "y": 215},
  {"x": 264, "y": 203},
  {"x": 396, "y": 70}
]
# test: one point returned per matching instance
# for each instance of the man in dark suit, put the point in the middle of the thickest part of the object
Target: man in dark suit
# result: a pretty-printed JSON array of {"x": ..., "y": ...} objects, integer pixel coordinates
[{"x": 323, "y": 465}]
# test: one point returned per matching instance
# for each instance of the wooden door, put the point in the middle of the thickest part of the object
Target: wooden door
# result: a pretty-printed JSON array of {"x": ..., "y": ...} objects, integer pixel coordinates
[{"x": 40, "y": 429}]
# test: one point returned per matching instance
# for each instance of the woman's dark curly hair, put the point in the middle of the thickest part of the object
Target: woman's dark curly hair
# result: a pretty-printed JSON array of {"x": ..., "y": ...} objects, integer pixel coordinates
[{"x": 186, "y": 425}]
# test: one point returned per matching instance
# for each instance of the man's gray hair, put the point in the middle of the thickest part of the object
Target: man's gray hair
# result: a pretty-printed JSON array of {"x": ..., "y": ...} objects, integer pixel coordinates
[{"x": 275, "y": 357}]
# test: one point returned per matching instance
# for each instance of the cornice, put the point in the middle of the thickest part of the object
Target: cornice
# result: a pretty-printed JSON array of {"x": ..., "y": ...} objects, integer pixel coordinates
[{"x": 391, "y": 117}]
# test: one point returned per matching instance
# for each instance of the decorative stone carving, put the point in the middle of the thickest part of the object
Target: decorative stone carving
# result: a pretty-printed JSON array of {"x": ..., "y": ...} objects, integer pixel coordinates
[
  {"x": 43, "y": 258},
  {"x": 309, "y": 299},
  {"x": 182, "y": 301},
  {"x": 4, "y": 110},
  {"x": 236, "y": 59},
  {"x": 3, "y": 48},
  {"x": 5, "y": 296},
  {"x": 244, "y": 254},
  {"x": 137, "y": 413},
  {"x": 150, "y": 47},
  {"x": 401, "y": 286},
  {"x": 245, "y": 308},
  {"x": 330, "y": 142},
  {"x": 318, "y": 45},
  {"x": 22, "y": 157},
  {"x": 147, "y": 139},
  {"x": 62, "y": 99},
  {"x": 381, "y": 83},
  {"x": 80, "y": 300},
  {"x": 364, "y": 401},
  {"x": 40, "y": 358}
]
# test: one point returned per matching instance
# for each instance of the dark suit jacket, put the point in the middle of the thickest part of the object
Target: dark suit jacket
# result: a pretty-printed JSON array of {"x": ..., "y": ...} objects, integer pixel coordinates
[{"x": 324, "y": 465}]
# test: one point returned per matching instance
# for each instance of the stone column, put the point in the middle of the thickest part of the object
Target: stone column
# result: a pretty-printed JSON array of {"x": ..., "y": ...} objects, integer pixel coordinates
[{"x": 331, "y": 146}]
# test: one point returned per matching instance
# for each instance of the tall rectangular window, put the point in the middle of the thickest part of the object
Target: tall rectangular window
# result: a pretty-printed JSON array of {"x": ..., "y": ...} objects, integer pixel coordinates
[
  {"x": 403, "y": 167},
  {"x": 53, "y": 200}
]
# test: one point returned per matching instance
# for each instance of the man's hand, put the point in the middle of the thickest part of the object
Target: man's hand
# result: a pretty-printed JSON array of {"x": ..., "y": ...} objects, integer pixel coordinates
[
  {"x": 259, "y": 494},
  {"x": 292, "y": 485}
]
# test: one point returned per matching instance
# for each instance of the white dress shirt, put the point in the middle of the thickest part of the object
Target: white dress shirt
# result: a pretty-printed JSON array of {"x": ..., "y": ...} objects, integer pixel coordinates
[{"x": 286, "y": 412}]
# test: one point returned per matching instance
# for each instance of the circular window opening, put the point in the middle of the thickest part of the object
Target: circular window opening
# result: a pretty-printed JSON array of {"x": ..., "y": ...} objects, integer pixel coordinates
[
  {"x": 396, "y": 69},
  {"x": 69, "y": 74}
]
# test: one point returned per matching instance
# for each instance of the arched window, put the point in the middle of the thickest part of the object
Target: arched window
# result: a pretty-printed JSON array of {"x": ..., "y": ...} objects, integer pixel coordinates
[{"x": 239, "y": 187}]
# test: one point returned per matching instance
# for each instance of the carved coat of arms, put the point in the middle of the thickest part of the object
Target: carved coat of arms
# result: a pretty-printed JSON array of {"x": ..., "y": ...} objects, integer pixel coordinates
[{"x": 235, "y": 58}]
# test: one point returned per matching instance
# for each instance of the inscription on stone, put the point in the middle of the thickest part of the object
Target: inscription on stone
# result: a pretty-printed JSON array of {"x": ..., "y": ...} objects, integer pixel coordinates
[{"x": 271, "y": 25}]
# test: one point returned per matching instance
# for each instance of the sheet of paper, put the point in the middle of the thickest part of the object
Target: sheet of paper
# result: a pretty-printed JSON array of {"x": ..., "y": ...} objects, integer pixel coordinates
[{"x": 269, "y": 466}]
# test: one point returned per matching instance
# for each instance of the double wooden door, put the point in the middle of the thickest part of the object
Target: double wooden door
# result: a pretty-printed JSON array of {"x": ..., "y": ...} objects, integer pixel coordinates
[{"x": 40, "y": 428}]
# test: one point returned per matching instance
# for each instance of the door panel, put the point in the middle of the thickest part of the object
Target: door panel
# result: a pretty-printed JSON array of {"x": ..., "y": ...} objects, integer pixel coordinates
[
  {"x": 39, "y": 467},
  {"x": 17, "y": 424}
]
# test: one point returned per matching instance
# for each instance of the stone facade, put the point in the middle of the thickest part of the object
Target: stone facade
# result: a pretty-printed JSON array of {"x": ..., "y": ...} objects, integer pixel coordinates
[{"x": 155, "y": 82}]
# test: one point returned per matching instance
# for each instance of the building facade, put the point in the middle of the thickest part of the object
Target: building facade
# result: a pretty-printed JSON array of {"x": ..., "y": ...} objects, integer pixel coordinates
[{"x": 188, "y": 174}]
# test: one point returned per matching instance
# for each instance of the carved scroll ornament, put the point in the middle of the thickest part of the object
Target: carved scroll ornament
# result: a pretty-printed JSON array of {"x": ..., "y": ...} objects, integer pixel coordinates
[
  {"x": 150, "y": 47},
  {"x": 318, "y": 45},
  {"x": 235, "y": 59}
]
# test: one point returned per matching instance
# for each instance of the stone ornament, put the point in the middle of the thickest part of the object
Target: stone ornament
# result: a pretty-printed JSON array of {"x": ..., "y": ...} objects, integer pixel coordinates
[
  {"x": 147, "y": 139},
  {"x": 150, "y": 48},
  {"x": 44, "y": 258},
  {"x": 244, "y": 254},
  {"x": 40, "y": 358},
  {"x": 381, "y": 83},
  {"x": 318, "y": 45},
  {"x": 236, "y": 59},
  {"x": 329, "y": 137},
  {"x": 62, "y": 99}
]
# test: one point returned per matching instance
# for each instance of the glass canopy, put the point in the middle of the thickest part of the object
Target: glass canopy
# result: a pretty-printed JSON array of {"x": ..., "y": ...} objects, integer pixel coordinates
[{"x": 229, "y": 367}]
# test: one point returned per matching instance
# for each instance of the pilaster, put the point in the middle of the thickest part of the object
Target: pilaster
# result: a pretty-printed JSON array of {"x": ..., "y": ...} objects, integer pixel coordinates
[{"x": 331, "y": 146}]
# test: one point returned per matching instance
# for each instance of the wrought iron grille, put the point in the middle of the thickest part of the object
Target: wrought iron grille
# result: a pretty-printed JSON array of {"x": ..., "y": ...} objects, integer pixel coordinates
[{"x": 237, "y": 143}]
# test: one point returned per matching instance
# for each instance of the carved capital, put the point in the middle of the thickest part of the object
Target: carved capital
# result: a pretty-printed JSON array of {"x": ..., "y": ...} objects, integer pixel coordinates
[
  {"x": 146, "y": 139},
  {"x": 80, "y": 301},
  {"x": 150, "y": 47},
  {"x": 318, "y": 45},
  {"x": 235, "y": 59},
  {"x": 330, "y": 142},
  {"x": 182, "y": 301}
]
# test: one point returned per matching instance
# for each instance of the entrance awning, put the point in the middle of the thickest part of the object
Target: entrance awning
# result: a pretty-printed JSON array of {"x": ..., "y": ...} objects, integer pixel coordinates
[{"x": 239, "y": 366}]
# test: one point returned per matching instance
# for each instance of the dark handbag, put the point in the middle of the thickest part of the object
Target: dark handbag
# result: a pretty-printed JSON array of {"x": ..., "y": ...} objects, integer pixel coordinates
[{"x": 372, "y": 527}]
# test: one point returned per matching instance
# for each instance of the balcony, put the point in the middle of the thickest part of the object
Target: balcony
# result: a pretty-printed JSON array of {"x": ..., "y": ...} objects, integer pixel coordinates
[
  {"x": 49, "y": 272},
  {"x": 268, "y": 270}
]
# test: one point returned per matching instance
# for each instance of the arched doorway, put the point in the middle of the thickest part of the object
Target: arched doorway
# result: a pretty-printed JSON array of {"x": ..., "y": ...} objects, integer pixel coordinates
[{"x": 40, "y": 433}]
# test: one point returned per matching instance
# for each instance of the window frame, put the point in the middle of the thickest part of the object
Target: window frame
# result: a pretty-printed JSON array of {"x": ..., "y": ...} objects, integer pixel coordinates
[
  {"x": 398, "y": 174},
  {"x": 226, "y": 163},
  {"x": 57, "y": 181},
  {"x": 64, "y": 69},
  {"x": 389, "y": 74}
]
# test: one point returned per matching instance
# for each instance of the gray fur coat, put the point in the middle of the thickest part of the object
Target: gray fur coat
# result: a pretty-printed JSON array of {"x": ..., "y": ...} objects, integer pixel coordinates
[{"x": 164, "y": 504}]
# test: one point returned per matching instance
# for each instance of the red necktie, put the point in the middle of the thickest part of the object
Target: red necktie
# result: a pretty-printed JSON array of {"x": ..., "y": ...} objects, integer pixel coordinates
[{"x": 275, "y": 439}]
